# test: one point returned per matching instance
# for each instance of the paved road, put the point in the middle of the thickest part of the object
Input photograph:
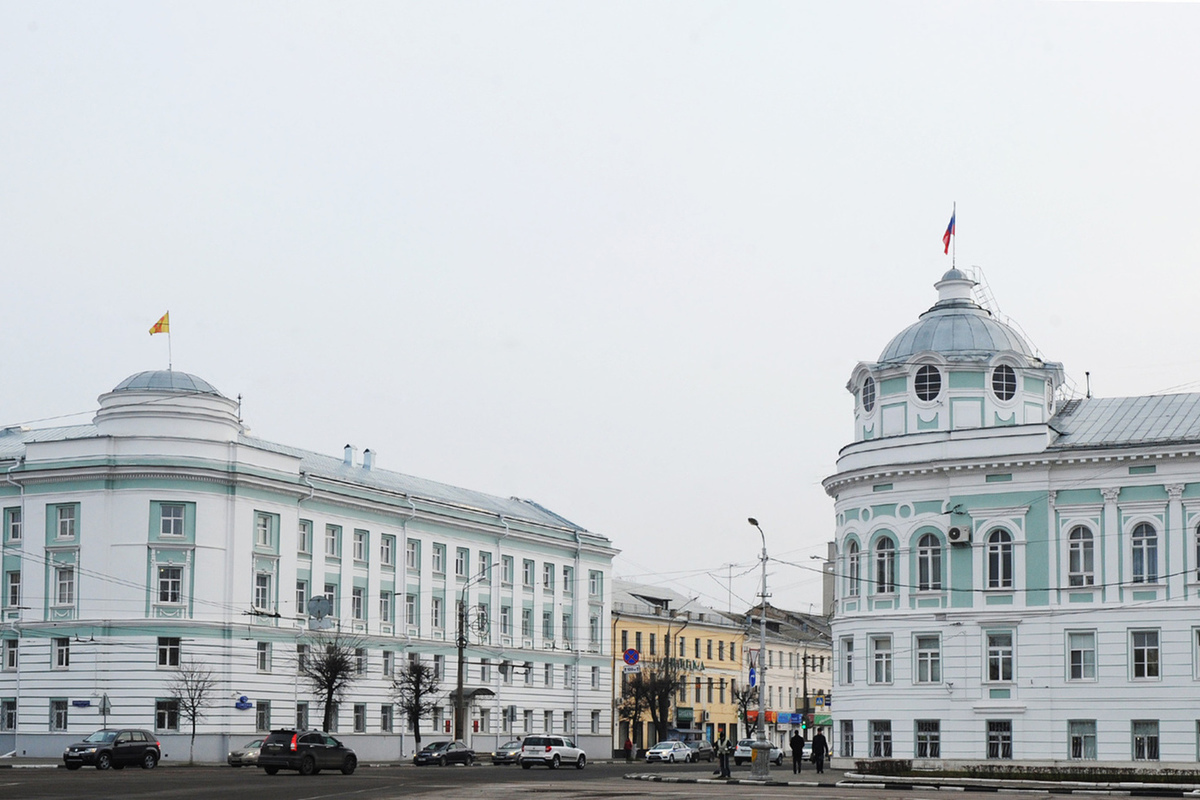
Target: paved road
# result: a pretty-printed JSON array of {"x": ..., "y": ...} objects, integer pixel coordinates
[{"x": 596, "y": 782}]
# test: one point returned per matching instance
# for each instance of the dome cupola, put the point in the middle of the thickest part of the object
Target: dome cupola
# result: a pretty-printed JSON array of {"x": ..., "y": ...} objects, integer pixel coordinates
[{"x": 167, "y": 403}]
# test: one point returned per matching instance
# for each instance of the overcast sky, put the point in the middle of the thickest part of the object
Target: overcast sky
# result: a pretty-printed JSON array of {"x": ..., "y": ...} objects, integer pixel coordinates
[{"x": 619, "y": 258}]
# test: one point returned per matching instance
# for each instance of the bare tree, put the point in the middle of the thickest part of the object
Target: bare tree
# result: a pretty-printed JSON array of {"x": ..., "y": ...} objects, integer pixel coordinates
[
  {"x": 633, "y": 706},
  {"x": 193, "y": 688},
  {"x": 656, "y": 685},
  {"x": 331, "y": 666},
  {"x": 414, "y": 687},
  {"x": 745, "y": 698}
]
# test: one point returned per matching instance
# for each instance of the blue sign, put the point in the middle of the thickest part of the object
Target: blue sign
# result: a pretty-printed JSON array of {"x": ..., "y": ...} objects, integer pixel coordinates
[
  {"x": 243, "y": 703},
  {"x": 631, "y": 656},
  {"x": 753, "y": 676},
  {"x": 788, "y": 718},
  {"x": 81, "y": 703}
]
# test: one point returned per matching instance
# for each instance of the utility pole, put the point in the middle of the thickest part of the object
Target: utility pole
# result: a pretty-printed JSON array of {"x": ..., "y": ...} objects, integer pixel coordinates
[
  {"x": 460, "y": 702},
  {"x": 760, "y": 765}
]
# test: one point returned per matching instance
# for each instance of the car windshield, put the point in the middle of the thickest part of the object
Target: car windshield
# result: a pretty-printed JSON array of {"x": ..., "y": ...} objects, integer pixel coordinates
[
  {"x": 745, "y": 742},
  {"x": 252, "y": 745},
  {"x": 102, "y": 736},
  {"x": 510, "y": 745},
  {"x": 434, "y": 747}
]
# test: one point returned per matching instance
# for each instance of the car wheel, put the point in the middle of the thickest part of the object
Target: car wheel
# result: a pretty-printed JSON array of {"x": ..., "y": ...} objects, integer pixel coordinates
[
  {"x": 671, "y": 758},
  {"x": 348, "y": 765},
  {"x": 442, "y": 761},
  {"x": 554, "y": 762},
  {"x": 270, "y": 770},
  {"x": 150, "y": 761},
  {"x": 582, "y": 762},
  {"x": 525, "y": 765},
  {"x": 470, "y": 761},
  {"x": 103, "y": 761},
  {"x": 308, "y": 766},
  {"x": 74, "y": 766}
]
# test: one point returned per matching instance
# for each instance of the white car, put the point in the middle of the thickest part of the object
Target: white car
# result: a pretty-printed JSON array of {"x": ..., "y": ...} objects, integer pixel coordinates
[
  {"x": 743, "y": 750},
  {"x": 552, "y": 751},
  {"x": 669, "y": 752}
]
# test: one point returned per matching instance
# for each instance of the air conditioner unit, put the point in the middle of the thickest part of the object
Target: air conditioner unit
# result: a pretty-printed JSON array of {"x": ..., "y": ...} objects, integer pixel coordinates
[
  {"x": 958, "y": 535},
  {"x": 704, "y": 716}
]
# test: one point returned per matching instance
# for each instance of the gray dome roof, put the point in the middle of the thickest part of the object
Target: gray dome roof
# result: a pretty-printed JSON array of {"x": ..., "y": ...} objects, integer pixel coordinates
[
  {"x": 955, "y": 326},
  {"x": 165, "y": 380}
]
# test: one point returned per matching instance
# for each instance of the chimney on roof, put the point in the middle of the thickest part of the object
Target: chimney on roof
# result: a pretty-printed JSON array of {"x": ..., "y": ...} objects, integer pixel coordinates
[
  {"x": 368, "y": 459},
  {"x": 348, "y": 458}
]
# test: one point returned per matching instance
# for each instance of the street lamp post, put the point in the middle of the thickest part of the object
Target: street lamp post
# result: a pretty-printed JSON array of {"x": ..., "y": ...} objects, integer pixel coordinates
[
  {"x": 760, "y": 765},
  {"x": 460, "y": 702}
]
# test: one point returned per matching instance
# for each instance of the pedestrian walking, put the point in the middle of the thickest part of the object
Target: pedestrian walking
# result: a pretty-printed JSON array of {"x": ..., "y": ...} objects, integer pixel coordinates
[
  {"x": 797, "y": 745},
  {"x": 628, "y": 750},
  {"x": 820, "y": 749},
  {"x": 724, "y": 747}
]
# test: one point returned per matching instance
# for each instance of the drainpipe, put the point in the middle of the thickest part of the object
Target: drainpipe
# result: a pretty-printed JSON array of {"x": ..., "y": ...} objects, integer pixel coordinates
[
  {"x": 575, "y": 618},
  {"x": 20, "y": 462}
]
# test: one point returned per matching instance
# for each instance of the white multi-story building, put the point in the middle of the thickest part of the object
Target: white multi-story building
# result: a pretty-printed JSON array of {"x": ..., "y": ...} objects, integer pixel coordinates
[
  {"x": 1018, "y": 574},
  {"x": 799, "y": 674},
  {"x": 163, "y": 533}
]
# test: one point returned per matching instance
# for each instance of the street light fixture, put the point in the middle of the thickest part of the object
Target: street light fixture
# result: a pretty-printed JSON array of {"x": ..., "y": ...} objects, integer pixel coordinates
[{"x": 760, "y": 764}]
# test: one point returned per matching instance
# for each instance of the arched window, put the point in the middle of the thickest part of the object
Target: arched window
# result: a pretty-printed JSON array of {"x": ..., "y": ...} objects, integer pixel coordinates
[
  {"x": 1004, "y": 382},
  {"x": 852, "y": 566},
  {"x": 999, "y": 559},
  {"x": 929, "y": 563},
  {"x": 1145, "y": 553},
  {"x": 868, "y": 395},
  {"x": 1080, "y": 569},
  {"x": 885, "y": 566},
  {"x": 928, "y": 383}
]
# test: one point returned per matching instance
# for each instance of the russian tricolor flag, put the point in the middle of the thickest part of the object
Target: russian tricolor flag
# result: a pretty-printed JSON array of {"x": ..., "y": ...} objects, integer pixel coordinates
[{"x": 949, "y": 232}]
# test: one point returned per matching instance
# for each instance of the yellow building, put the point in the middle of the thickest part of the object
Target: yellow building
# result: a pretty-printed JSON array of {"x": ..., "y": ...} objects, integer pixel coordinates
[{"x": 703, "y": 646}]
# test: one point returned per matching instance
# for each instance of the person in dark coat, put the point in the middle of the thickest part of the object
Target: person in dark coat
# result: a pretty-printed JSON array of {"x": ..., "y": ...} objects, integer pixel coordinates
[
  {"x": 820, "y": 749},
  {"x": 797, "y": 745}
]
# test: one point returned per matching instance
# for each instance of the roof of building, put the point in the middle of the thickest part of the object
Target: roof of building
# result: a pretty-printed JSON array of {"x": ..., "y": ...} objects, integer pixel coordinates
[
  {"x": 654, "y": 600},
  {"x": 166, "y": 380},
  {"x": 1123, "y": 421},
  {"x": 955, "y": 326}
]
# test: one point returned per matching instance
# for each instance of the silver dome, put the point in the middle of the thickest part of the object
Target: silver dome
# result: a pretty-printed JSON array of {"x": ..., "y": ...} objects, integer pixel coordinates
[{"x": 165, "y": 380}]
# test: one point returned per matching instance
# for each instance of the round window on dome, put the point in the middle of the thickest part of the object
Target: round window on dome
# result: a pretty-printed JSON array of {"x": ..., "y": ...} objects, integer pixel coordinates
[
  {"x": 1004, "y": 382},
  {"x": 868, "y": 395},
  {"x": 928, "y": 383}
]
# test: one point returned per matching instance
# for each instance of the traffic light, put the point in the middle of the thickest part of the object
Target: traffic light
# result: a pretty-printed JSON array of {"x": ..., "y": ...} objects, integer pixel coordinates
[{"x": 803, "y": 722}]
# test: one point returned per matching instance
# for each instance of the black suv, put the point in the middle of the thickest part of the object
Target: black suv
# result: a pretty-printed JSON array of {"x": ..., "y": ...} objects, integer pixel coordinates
[
  {"x": 309, "y": 752},
  {"x": 116, "y": 748}
]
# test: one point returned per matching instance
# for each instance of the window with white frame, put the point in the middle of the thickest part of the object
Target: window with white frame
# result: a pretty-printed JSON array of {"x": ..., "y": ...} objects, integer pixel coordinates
[
  {"x": 12, "y": 589},
  {"x": 548, "y": 572},
  {"x": 928, "y": 383},
  {"x": 999, "y": 739},
  {"x": 59, "y": 719},
  {"x": 527, "y": 573},
  {"x": 387, "y": 550},
  {"x": 10, "y": 654},
  {"x": 506, "y": 569},
  {"x": 1145, "y": 654},
  {"x": 385, "y": 607},
  {"x": 1081, "y": 559},
  {"x": 593, "y": 629},
  {"x": 304, "y": 536},
  {"x": 847, "y": 738},
  {"x": 333, "y": 541},
  {"x": 436, "y": 617},
  {"x": 527, "y": 622},
  {"x": 485, "y": 566},
  {"x": 568, "y": 580},
  {"x": 264, "y": 656},
  {"x": 8, "y": 714},
  {"x": 385, "y": 718},
  {"x": 12, "y": 524},
  {"x": 568, "y": 676},
  {"x": 65, "y": 519},
  {"x": 1144, "y": 541},
  {"x": 358, "y": 597},
  {"x": 1081, "y": 739},
  {"x": 881, "y": 659},
  {"x": 462, "y": 557},
  {"x": 1000, "y": 656},
  {"x": 1081, "y": 655},
  {"x": 389, "y": 663},
  {"x": 852, "y": 568},
  {"x": 438, "y": 561},
  {"x": 928, "y": 738},
  {"x": 360, "y": 717},
  {"x": 410, "y": 609},
  {"x": 1145, "y": 740},
  {"x": 360, "y": 545},
  {"x": 262, "y": 715},
  {"x": 885, "y": 566},
  {"x": 847, "y": 661},
  {"x": 596, "y": 678},
  {"x": 506, "y": 620},
  {"x": 929, "y": 563},
  {"x": 301, "y": 597},
  {"x": 439, "y": 667},
  {"x": 168, "y": 652},
  {"x": 170, "y": 519},
  {"x": 881, "y": 738},
  {"x": 62, "y": 653},
  {"x": 485, "y": 670},
  {"x": 64, "y": 579},
  {"x": 547, "y": 624},
  {"x": 262, "y": 591},
  {"x": 301, "y": 661},
  {"x": 262, "y": 530},
  {"x": 412, "y": 554},
  {"x": 360, "y": 660},
  {"x": 999, "y": 554},
  {"x": 595, "y": 723},
  {"x": 595, "y": 583},
  {"x": 170, "y": 585},
  {"x": 929, "y": 658}
]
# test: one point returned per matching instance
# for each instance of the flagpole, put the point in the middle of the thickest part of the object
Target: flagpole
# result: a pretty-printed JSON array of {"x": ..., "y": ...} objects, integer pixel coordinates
[
  {"x": 170, "y": 359},
  {"x": 954, "y": 237}
]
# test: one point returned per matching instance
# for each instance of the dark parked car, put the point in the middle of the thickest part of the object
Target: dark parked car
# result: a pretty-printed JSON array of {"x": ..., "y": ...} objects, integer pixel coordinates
[
  {"x": 246, "y": 755},
  {"x": 443, "y": 753},
  {"x": 507, "y": 753},
  {"x": 702, "y": 748},
  {"x": 308, "y": 752},
  {"x": 115, "y": 747}
]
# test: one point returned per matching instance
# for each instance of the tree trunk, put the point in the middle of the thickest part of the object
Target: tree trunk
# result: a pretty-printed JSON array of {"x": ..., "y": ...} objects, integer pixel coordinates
[{"x": 192, "y": 747}]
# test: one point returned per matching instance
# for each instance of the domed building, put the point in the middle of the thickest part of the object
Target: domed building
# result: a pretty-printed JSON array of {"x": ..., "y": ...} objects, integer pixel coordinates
[
  {"x": 163, "y": 537},
  {"x": 1016, "y": 578}
]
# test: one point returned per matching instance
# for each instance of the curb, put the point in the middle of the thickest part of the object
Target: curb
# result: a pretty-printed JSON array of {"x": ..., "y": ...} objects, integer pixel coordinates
[{"x": 1125, "y": 789}]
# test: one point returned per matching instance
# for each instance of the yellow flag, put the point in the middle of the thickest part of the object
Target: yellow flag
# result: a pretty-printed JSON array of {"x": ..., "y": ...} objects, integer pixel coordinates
[{"x": 163, "y": 325}]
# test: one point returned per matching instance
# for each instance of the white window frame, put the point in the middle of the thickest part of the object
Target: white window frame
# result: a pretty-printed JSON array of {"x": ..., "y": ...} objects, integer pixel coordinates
[
  {"x": 1081, "y": 557},
  {"x": 13, "y": 519},
  {"x": 65, "y": 521},
  {"x": 882, "y": 667},
  {"x": 262, "y": 530},
  {"x": 929, "y": 563},
  {"x": 62, "y": 653},
  {"x": 1143, "y": 553},
  {"x": 387, "y": 550},
  {"x": 358, "y": 603},
  {"x": 12, "y": 588},
  {"x": 1151, "y": 663},
  {"x": 853, "y": 569},
  {"x": 304, "y": 536},
  {"x": 462, "y": 557},
  {"x": 438, "y": 559},
  {"x": 262, "y": 591},
  {"x": 263, "y": 656},
  {"x": 1082, "y": 642},
  {"x": 360, "y": 545},
  {"x": 64, "y": 580},
  {"x": 885, "y": 566},
  {"x": 169, "y": 652},
  {"x": 928, "y": 668},
  {"x": 436, "y": 617},
  {"x": 171, "y": 525},
  {"x": 170, "y": 584},
  {"x": 412, "y": 554},
  {"x": 847, "y": 660},
  {"x": 333, "y": 541},
  {"x": 1000, "y": 658},
  {"x": 999, "y": 558}
]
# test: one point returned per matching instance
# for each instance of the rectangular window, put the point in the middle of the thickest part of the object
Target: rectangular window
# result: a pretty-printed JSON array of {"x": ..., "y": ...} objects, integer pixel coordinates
[
  {"x": 528, "y": 719},
  {"x": 387, "y": 551},
  {"x": 439, "y": 559},
  {"x": 301, "y": 597},
  {"x": 262, "y": 591},
  {"x": 62, "y": 653},
  {"x": 358, "y": 602},
  {"x": 262, "y": 530},
  {"x": 1081, "y": 655},
  {"x": 881, "y": 738},
  {"x": 594, "y": 629},
  {"x": 595, "y": 722},
  {"x": 262, "y": 715},
  {"x": 64, "y": 586},
  {"x": 168, "y": 651},
  {"x": 12, "y": 589},
  {"x": 881, "y": 659},
  {"x": 302, "y": 716},
  {"x": 527, "y": 574},
  {"x": 301, "y": 657},
  {"x": 264, "y": 656},
  {"x": 436, "y": 618},
  {"x": 506, "y": 569},
  {"x": 708, "y": 649},
  {"x": 485, "y": 720},
  {"x": 485, "y": 670},
  {"x": 847, "y": 738},
  {"x": 333, "y": 541},
  {"x": 548, "y": 721},
  {"x": 360, "y": 545},
  {"x": 506, "y": 620},
  {"x": 360, "y": 717},
  {"x": 170, "y": 519},
  {"x": 65, "y": 521},
  {"x": 166, "y": 715},
  {"x": 548, "y": 675},
  {"x": 929, "y": 738},
  {"x": 461, "y": 559},
  {"x": 12, "y": 524},
  {"x": 999, "y": 741},
  {"x": 1145, "y": 654},
  {"x": 625, "y": 640},
  {"x": 360, "y": 660},
  {"x": 170, "y": 585},
  {"x": 58, "y": 715},
  {"x": 8, "y": 714},
  {"x": 569, "y": 676},
  {"x": 389, "y": 662},
  {"x": 653, "y": 640},
  {"x": 595, "y": 583},
  {"x": 568, "y": 580},
  {"x": 1081, "y": 743},
  {"x": 412, "y": 554},
  {"x": 385, "y": 719},
  {"x": 10, "y": 653},
  {"x": 485, "y": 567},
  {"x": 528, "y": 673},
  {"x": 720, "y": 651},
  {"x": 410, "y": 609},
  {"x": 596, "y": 679},
  {"x": 547, "y": 625},
  {"x": 439, "y": 667},
  {"x": 847, "y": 661},
  {"x": 385, "y": 606},
  {"x": 548, "y": 577},
  {"x": 1000, "y": 656},
  {"x": 929, "y": 659},
  {"x": 527, "y": 622},
  {"x": 304, "y": 537}
]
